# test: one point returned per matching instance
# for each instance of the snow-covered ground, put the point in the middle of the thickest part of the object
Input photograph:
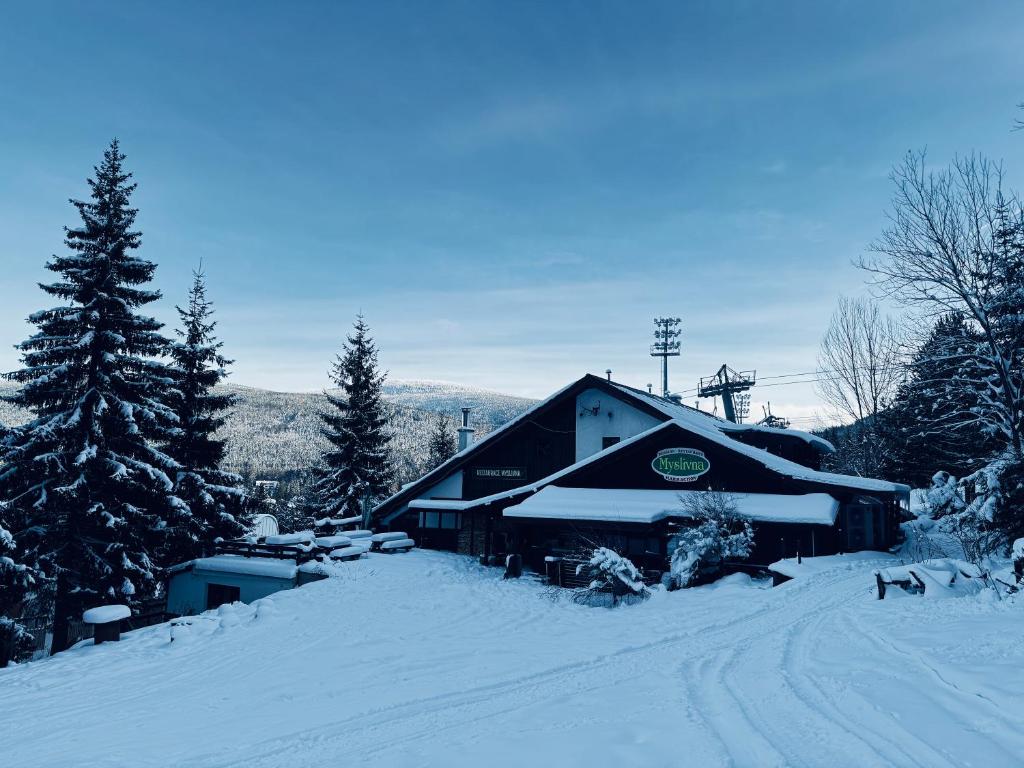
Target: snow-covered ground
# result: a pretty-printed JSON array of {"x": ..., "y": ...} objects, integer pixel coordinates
[{"x": 427, "y": 659}]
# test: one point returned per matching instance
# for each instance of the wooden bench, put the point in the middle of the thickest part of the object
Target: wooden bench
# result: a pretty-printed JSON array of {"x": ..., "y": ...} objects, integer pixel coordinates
[
  {"x": 379, "y": 539},
  {"x": 351, "y": 552},
  {"x": 397, "y": 545}
]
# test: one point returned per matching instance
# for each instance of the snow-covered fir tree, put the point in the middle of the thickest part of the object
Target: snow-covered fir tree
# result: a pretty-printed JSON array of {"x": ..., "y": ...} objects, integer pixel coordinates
[
  {"x": 925, "y": 427},
  {"x": 215, "y": 497},
  {"x": 610, "y": 572},
  {"x": 16, "y": 578},
  {"x": 718, "y": 533},
  {"x": 441, "y": 444},
  {"x": 1006, "y": 362},
  {"x": 354, "y": 468},
  {"x": 85, "y": 484}
]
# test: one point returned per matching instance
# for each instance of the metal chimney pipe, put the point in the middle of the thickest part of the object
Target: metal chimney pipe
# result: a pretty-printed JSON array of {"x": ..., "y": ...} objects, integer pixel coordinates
[
  {"x": 465, "y": 431},
  {"x": 608, "y": 373}
]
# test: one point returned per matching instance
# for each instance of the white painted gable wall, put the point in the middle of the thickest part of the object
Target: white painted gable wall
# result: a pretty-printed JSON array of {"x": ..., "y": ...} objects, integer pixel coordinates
[{"x": 616, "y": 418}]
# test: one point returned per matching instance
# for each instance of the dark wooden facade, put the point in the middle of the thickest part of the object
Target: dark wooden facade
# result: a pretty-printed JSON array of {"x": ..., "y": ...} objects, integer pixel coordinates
[{"x": 543, "y": 443}]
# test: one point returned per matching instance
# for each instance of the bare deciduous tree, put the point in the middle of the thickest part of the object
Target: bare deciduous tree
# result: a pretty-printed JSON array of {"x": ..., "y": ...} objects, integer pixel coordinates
[
  {"x": 861, "y": 356},
  {"x": 943, "y": 251}
]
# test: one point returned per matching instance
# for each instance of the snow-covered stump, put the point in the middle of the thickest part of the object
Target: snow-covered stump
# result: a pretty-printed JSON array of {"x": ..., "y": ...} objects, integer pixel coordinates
[{"x": 106, "y": 622}]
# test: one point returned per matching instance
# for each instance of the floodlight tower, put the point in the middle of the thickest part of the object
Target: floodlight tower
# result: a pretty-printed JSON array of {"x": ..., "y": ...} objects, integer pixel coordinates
[
  {"x": 666, "y": 345},
  {"x": 727, "y": 383}
]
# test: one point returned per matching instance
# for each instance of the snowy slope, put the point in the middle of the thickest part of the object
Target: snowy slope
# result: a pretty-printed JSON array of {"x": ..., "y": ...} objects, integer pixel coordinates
[{"x": 427, "y": 659}]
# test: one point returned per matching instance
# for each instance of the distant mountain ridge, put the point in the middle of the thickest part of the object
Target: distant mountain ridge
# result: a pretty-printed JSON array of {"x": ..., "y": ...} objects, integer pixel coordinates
[{"x": 276, "y": 435}]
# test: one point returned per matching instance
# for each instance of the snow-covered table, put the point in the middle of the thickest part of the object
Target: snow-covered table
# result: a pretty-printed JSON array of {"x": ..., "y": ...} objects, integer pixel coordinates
[{"x": 107, "y": 621}]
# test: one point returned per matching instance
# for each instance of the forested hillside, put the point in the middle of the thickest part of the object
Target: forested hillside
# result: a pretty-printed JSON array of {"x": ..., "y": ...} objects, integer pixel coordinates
[{"x": 276, "y": 435}]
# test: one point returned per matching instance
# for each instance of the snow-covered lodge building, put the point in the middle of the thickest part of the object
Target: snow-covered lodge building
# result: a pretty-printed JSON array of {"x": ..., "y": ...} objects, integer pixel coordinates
[{"x": 603, "y": 462}]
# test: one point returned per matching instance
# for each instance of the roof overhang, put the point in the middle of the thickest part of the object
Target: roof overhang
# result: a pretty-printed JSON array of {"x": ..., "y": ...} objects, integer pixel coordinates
[{"x": 650, "y": 506}]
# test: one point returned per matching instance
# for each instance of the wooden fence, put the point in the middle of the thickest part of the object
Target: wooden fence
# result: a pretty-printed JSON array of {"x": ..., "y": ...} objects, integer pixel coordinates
[{"x": 150, "y": 612}]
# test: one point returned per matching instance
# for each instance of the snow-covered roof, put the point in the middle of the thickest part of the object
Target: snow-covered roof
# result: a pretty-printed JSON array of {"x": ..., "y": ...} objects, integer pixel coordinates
[
  {"x": 249, "y": 566},
  {"x": 648, "y": 506},
  {"x": 770, "y": 460},
  {"x": 690, "y": 418},
  {"x": 686, "y": 414},
  {"x": 449, "y": 504}
]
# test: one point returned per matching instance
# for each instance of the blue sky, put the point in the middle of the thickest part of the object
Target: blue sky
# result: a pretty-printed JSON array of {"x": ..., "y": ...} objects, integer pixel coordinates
[{"x": 508, "y": 191}]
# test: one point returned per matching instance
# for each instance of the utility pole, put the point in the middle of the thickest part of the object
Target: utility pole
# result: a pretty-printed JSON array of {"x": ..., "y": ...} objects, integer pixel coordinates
[{"x": 666, "y": 345}]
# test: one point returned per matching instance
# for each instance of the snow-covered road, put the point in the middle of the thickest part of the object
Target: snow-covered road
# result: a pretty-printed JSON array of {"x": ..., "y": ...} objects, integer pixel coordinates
[{"x": 429, "y": 660}]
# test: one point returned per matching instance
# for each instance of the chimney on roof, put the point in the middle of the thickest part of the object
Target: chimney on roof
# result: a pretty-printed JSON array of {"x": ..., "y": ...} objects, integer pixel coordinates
[
  {"x": 465, "y": 431},
  {"x": 608, "y": 373},
  {"x": 650, "y": 388}
]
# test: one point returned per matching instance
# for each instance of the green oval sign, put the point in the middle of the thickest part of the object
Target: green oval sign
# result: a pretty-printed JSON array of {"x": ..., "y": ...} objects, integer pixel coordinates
[{"x": 681, "y": 465}]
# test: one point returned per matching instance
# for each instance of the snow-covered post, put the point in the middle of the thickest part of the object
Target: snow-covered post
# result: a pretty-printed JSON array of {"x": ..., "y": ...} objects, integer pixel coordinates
[
  {"x": 513, "y": 566},
  {"x": 107, "y": 621}
]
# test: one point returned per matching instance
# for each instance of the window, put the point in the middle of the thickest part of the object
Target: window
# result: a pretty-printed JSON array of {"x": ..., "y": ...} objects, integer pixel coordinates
[
  {"x": 446, "y": 520},
  {"x": 218, "y": 594},
  {"x": 608, "y": 442}
]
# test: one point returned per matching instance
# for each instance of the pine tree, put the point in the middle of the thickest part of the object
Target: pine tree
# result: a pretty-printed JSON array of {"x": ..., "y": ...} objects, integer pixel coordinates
[
  {"x": 214, "y": 497},
  {"x": 926, "y": 429},
  {"x": 441, "y": 444},
  {"x": 1006, "y": 308},
  {"x": 354, "y": 469},
  {"x": 83, "y": 480},
  {"x": 1006, "y": 364},
  {"x": 16, "y": 578}
]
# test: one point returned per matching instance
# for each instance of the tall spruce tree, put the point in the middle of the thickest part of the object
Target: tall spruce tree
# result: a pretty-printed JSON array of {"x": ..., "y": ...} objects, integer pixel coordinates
[
  {"x": 215, "y": 498},
  {"x": 88, "y": 490},
  {"x": 441, "y": 444},
  {"x": 354, "y": 469},
  {"x": 16, "y": 578}
]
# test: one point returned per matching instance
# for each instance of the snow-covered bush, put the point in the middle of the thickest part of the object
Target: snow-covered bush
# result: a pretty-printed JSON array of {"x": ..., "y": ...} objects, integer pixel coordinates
[
  {"x": 980, "y": 525},
  {"x": 609, "y": 571},
  {"x": 719, "y": 532},
  {"x": 944, "y": 496}
]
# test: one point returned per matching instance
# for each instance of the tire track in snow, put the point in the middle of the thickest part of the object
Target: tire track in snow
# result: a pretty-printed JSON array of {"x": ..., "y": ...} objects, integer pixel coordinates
[
  {"x": 871, "y": 721},
  {"x": 956, "y": 704},
  {"x": 521, "y": 692},
  {"x": 743, "y": 718},
  {"x": 504, "y": 695}
]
